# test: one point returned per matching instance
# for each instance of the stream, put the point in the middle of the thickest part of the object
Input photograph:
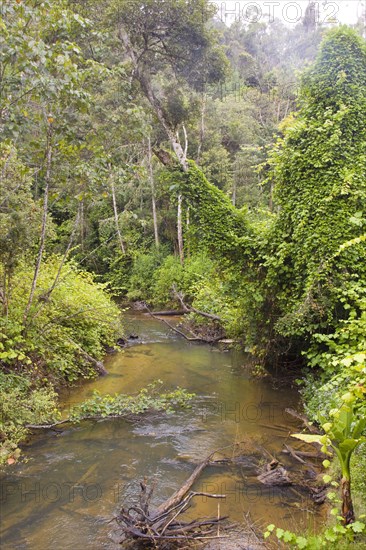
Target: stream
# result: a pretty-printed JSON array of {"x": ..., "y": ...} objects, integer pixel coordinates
[{"x": 71, "y": 483}]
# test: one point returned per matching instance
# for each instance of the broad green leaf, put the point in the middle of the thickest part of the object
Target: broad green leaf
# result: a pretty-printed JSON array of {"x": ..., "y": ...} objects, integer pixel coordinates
[{"x": 308, "y": 438}]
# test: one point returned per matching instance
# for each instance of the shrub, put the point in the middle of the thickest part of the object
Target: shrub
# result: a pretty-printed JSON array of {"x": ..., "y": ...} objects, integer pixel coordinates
[
  {"x": 20, "y": 405},
  {"x": 63, "y": 330}
]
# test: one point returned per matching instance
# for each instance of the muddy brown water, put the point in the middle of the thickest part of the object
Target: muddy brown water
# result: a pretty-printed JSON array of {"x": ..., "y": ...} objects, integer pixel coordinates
[{"x": 72, "y": 483}]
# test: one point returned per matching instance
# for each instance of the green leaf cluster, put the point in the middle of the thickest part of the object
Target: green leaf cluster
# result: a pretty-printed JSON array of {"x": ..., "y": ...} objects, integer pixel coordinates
[{"x": 119, "y": 405}]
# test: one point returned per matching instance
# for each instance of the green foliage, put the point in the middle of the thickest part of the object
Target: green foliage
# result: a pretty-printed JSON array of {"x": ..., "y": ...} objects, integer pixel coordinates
[
  {"x": 141, "y": 280},
  {"x": 319, "y": 169},
  {"x": 148, "y": 399},
  {"x": 188, "y": 49},
  {"x": 221, "y": 228},
  {"x": 75, "y": 321},
  {"x": 343, "y": 431},
  {"x": 42, "y": 71},
  {"x": 336, "y": 537},
  {"x": 19, "y": 213},
  {"x": 22, "y": 405},
  {"x": 172, "y": 277},
  {"x": 358, "y": 467}
]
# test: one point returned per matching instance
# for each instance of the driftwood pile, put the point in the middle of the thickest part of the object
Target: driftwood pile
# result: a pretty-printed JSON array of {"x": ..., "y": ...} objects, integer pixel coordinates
[
  {"x": 275, "y": 474},
  {"x": 164, "y": 528}
]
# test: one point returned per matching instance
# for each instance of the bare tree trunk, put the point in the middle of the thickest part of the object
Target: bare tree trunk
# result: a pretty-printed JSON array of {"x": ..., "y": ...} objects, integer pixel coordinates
[
  {"x": 185, "y": 141},
  {"x": 82, "y": 232},
  {"x": 188, "y": 223},
  {"x": 279, "y": 111},
  {"x": 151, "y": 177},
  {"x": 153, "y": 100},
  {"x": 69, "y": 244},
  {"x": 271, "y": 197},
  {"x": 47, "y": 294},
  {"x": 180, "y": 203},
  {"x": 180, "y": 229},
  {"x": 116, "y": 221},
  {"x": 44, "y": 222},
  {"x": 171, "y": 133},
  {"x": 202, "y": 127},
  {"x": 233, "y": 196},
  {"x": 4, "y": 295}
]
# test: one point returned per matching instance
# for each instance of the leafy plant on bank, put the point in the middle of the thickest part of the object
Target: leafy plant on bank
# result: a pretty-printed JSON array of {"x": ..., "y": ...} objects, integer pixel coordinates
[
  {"x": 64, "y": 329},
  {"x": 22, "y": 404},
  {"x": 336, "y": 537},
  {"x": 344, "y": 428}
]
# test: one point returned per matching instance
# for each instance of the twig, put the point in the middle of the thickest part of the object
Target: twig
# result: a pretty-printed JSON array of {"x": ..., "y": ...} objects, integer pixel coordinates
[
  {"x": 194, "y": 339},
  {"x": 294, "y": 454},
  {"x": 190, "y": 309},
  {"x": 312, "y": 429}
]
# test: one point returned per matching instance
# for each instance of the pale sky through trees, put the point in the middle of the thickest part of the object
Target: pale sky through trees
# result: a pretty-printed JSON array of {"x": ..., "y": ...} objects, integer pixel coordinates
[{"x": 289, "y": 11}]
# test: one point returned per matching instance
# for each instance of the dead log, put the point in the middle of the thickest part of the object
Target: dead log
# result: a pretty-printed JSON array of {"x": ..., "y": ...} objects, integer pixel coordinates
[
  {"x": 178, "y": 495},
  {"x": 170, "y": 313},
  {"x": 190, "y": 309},
  {"x": 306, "y": 454},
  {"x": 194, "y": 338},
  {"x": 47, "y": 426}
]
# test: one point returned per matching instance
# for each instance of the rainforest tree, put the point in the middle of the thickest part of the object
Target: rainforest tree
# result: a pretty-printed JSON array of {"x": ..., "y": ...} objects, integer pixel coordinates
[{"x": 319, "y": 171}]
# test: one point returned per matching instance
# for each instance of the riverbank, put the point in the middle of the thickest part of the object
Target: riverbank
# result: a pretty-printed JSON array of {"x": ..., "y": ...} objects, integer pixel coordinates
[
  {"x": 230, "y": 407},
  {"x": 61, "y": 340}
]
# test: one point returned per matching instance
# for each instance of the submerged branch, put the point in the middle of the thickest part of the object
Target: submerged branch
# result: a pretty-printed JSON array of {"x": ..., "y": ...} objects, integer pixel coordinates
[
  {"x": 190, "y": 339},
  {"x": 190, "y": 309}
]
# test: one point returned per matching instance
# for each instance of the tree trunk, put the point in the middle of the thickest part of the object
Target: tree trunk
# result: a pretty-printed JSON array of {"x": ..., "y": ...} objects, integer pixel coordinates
[
  {"x": 233, "y": 196},
  {"x": 153, "y": 100},
  {"x": 180, "y": 229},
  {"x": 4, "y": 295},
  {"x": 202, "y": 127},
  {"x": 151, "y": 177},
  {"x": 188, "y": 222},
  {"x": 271, "y": 197},
  {"x": 348, "y": 513},
  {"x": 82, "y": 221},
  {"x": 46, "y": 296},
  {"x": 115, "y": 211},
  {"x": 64, "y": 258},
  {"x": 44, "y": 222},
  {"x": 180, "y": 203}
]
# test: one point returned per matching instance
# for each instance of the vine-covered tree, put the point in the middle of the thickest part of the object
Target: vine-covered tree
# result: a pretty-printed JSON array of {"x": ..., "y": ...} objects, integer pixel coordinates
[{"x": 319, "y": 171}]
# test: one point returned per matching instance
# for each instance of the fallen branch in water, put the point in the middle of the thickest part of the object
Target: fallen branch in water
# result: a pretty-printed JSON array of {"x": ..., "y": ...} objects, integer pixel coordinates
[
  {"x": 178, "y": 495},
  {"x": 294, "y": 454},
  {"x": 306, "y": 454},
  {"x": 170, "y": 313},
  {"x": 190, "y": 309},
  {"x": 164, "y": 525},
  {"x": 195, "y": 338},
  {"x": 98, "y": 365},
  {"x": 47, "y": 426}
]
